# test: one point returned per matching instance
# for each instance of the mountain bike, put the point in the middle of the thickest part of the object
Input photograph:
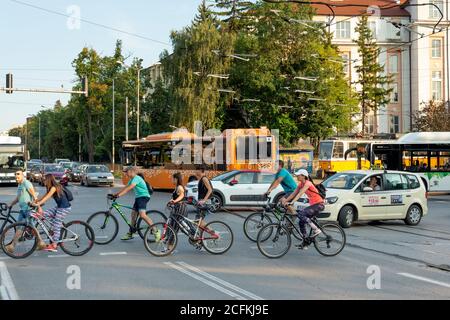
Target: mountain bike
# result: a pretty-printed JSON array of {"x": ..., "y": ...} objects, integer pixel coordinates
[
  {"x": 274, "y": 240},
  {"x": 106, "y": 225},
  {"x": 215, "y": 237},
  {"x": 271, "y": 212},
  {"x": 6, "y": 219},
  {"x": 76, "y": 237}
]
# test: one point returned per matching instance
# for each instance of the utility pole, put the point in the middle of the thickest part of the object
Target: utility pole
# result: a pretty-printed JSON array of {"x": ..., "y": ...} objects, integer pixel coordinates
[
  {"x": 138, "y": 109},
  {"x": 126, "y": 119},
  {"x": 79, "y": 146},
  {"x": 113, "y": 128}
]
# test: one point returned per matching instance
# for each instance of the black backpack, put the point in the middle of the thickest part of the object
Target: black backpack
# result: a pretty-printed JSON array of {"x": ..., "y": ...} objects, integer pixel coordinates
[
  {"x": 321, "y": 190},
  {"x": 149, "y": 187},
  {"x": 68, "y": 193}
]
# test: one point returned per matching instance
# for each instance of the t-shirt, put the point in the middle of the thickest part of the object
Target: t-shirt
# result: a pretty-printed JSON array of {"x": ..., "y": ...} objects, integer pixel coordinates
[
  {"x": 311, "y": 192},
  {"x": 61, "y": 201},
  {"x": 288, "y": 182},
  {"x": 23, "y": 195},
  {"x": 140, "y": 190}
]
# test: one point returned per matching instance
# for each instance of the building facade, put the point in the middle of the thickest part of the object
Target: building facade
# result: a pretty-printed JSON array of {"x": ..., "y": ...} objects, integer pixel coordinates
[{"x": 414, "y": 56}]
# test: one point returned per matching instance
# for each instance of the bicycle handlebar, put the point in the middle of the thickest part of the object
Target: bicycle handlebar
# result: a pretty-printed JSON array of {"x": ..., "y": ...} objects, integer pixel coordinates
[
  {"x": 111, "y": 196},
  {"x": 3, "y": 206}
]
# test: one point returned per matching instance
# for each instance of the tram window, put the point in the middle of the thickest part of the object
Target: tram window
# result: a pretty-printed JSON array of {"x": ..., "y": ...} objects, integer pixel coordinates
[
  {"x": 352, "y": 154},
  {"x": 338, "y": 150}
]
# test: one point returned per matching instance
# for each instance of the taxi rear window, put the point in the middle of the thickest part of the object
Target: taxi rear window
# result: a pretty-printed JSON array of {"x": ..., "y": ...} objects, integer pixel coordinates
[{"x": 413, "y": 182}]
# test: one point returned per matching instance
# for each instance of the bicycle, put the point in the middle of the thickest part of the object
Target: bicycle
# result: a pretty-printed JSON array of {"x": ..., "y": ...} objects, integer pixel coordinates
[
  {"x": 210, "y": 237},
  {"x": 25, "y": 236},
  {"x": 6, "y": 219},
  {"x": 331, "y": 233},
  {"x": 102, "y": 220},
  {"x": 256, "y": 221}
]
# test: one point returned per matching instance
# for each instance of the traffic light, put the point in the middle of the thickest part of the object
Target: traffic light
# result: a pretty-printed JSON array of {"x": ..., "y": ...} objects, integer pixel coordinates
[
  {"x": 9, "y": 83},
  {"x": 84, "y": 86}
]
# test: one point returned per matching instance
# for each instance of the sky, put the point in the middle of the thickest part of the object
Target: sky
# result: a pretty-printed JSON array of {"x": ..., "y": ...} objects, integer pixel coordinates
[{"x": 38, "y": 47}]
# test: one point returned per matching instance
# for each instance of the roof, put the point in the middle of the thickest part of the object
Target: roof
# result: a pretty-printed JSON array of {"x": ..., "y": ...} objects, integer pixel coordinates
[
  {"x": 373, "y": 171},
  {"x": 424, "y": 138},
  {"x": 355, "y": 11}
]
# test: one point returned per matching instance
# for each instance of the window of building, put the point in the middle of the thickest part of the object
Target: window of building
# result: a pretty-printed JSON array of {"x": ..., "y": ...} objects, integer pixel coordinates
[
  {"x": 346, "y": 63},
  {"x": 373, "y": 28},
  {"x": 395, "y": 124},
  {"x": 436, "y": 48},
  {"x": 434, "y": 12},
  {"x": 393, "y": 64},
  {"x": 394, "y": 93},
  {"x": 343, "y": 30},
  {"x": 436, "y": 85},
  {"x": 370, "y": 125}
]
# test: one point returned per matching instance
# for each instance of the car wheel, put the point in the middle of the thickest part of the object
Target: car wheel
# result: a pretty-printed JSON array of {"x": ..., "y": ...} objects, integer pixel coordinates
[
  {"x": 346, "y": 217},
  {"x": 216, "y": 203},
  {"x": 414, "y": 215}
]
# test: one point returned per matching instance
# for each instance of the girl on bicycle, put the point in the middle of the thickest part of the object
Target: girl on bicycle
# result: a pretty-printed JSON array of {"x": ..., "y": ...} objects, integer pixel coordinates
[
  {"x": 57, "y": 214},
  {"x": 178, "y": 195},
  {"x": 316, "y": 203}
]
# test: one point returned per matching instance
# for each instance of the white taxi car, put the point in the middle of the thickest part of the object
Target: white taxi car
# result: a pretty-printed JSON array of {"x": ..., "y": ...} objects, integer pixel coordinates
[{"x": 391, "y": 195}]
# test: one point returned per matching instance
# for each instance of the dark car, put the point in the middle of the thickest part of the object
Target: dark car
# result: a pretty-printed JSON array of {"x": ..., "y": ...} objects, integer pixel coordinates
[
  {"x": 35, "y": 173},
  {"x": 71, "y": 170},
  {"x": 57, "y": 171},
  {"x": 74, "y": 174}
]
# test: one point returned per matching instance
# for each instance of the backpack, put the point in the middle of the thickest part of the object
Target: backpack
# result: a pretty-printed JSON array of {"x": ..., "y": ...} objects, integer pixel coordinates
[
  {"x": 68, "y": 193},
  {"x": 149, "y": 187},
  {"x": 321, "y": 190}
]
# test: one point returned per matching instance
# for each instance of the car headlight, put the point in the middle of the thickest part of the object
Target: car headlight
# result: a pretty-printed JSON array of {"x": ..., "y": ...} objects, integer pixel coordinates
[
  {"x": 110, "y": 178},
  {"x": 332, "y": 200}
]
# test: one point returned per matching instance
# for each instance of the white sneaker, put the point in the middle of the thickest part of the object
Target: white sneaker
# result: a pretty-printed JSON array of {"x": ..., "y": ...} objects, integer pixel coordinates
[{"x": 316, "y": 233}]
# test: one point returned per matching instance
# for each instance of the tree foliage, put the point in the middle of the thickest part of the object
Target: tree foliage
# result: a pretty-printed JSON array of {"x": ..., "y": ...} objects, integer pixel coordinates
[{"x": 434, "y": 116}]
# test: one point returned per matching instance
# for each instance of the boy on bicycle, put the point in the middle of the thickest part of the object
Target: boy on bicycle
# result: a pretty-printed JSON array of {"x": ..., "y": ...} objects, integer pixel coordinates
[{"x": 142, "y": 197}]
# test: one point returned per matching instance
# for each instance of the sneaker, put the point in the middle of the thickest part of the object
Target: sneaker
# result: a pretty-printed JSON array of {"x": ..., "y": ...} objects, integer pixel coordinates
[
  {"x": 316, "y": 233},
  {"x": 51, "y": 248},
  {"x": 10, "y": 248},
  {"x": 157, "y": 235},
  {"x": 128, "y": 236}
]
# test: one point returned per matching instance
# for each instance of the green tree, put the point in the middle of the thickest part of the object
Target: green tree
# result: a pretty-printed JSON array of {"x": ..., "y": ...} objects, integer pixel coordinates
[
  {"x": 434, "y": 116},
  {"x": 375, "y": 86},
  {"x": 233, "y": 12}
]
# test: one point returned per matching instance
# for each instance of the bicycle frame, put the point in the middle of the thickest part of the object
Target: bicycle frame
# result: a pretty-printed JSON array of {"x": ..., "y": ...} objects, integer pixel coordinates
[
  {"x": 194, "y": 227},
  {"x": 117, "y": 206}
]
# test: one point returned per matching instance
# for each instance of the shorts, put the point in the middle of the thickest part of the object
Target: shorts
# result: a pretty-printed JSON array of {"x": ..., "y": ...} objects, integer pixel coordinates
[
  {"x": 287, "y": 194},
  {"x": 140, "y": 204},
  {"x": 24, "y": 215},
  {"x": 202, "y": 211}
]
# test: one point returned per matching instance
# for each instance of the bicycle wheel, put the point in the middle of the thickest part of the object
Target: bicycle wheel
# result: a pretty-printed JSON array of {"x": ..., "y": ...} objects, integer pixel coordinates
[
  {"x": 295, "y": 231},
  {"x": 5, "y": 222},
  {"x": 217, "y": 237},
  {"x": 254, "y": 223},
  {"x": 24, "y": 238},
  {"x": 331, "y": 241},
  {"x": 277, "y": 243},
  {"x": 160, "y": 239},
  {"x": 77, "y": 238},
  {"x": 105, "y": 227},
  {"x": 155, "y": 215}
]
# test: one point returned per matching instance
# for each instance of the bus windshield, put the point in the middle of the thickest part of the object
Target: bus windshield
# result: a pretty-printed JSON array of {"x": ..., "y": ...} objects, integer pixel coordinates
[
  {"x": 11, "y": 161},
  {"x": 325, "y": 150}
]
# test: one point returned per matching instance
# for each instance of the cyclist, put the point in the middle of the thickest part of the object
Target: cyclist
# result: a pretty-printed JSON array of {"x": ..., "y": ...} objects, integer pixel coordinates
[
  {"x": 284, "y": 178},
  {"x": 57, "y": 214},
  {"x": 179, "y": 206},
  {"x": 142, "y": 197},
  {"x": 25, "y": 195},
  {"x": 205, "y": 191},
  {"x": 316, "y": 203}
]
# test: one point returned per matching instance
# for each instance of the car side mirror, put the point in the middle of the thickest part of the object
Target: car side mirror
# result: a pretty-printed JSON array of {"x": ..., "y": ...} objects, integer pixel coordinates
[
  {"x": 367, "y": 189},
  {"x": 233, "y": 182}
]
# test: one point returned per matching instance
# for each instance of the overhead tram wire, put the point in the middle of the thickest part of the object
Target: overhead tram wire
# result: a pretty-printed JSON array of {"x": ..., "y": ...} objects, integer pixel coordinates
[{"x": 90, "y": 22}]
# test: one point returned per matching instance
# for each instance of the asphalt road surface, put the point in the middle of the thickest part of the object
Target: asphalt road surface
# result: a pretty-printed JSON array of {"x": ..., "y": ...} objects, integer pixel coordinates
[{"x": 387, "y": 260}]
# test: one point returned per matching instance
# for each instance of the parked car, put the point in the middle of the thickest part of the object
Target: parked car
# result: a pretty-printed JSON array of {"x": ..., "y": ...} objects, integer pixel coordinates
[
  {"x": 239, "y": 188},
  {"x": 397, "y": 196},
  {"x": 35, "y": 173},
  {"x": 58, "y": 161},
  {"x": 55, "y": 170},
  {"x": 96, "y": 175}
]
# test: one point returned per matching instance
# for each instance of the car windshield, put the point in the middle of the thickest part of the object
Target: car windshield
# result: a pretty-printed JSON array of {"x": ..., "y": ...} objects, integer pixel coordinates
[
  {"x": 223, "y": 176},
  {"x": 66, "y": 165},
  {"x": 94, "y": 169},
  {"x": 345, "y": 181},
  {"x": 54, "y": 169}
]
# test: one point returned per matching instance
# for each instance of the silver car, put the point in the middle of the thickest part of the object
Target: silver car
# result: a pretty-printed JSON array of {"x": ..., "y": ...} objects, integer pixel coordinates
[{"x": 96, "y": 175}]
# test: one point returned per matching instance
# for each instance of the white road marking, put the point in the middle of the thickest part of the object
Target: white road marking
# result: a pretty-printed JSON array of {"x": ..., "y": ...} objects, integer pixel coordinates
[
  {"x": 439, "y": 283},
  {"x": 3, "y": 258},
  {"x": 6, "y": 281},
  {"x": 222, "y": 282},
  {"x": 101, "y": 237},
  {"x": 3, "y": 293},
  {"x": 112, "y": 253},
  {"x": 205, "y": 281},
  {"x": 58, "y": 256}
]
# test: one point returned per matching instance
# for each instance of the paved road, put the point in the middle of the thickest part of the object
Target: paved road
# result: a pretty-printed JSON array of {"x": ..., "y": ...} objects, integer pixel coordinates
[{"x": 413, "y": 263}]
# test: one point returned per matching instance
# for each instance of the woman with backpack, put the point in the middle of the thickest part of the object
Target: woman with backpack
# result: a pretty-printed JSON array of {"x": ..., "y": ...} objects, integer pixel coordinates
[
  {"x": 316, "y": 202},
  {"x": 57, "y": 214}
]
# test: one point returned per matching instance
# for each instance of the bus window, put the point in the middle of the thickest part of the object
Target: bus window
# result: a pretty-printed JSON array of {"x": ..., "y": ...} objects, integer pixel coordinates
[
  {"x": 406, "y": 160},
  {"x": 440, "y": 161},
  {"x": 419, "y": 161},
  {"x": 338, "y": 150},
  {"x": 325, "y": 149}
]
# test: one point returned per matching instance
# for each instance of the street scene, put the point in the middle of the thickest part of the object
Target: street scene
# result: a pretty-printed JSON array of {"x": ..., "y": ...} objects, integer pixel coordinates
[{"x": 216, "y": 150}]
